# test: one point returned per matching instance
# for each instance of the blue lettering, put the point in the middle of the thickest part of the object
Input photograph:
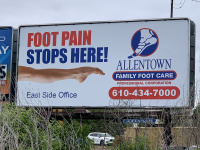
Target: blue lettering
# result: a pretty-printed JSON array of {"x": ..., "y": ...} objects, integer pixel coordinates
[
  {"x": 160, "y": 63},
  {"x": 28, "y": 95},
  {"x": 74, "y": 55},
  {"x": 31, "y": 58},
  {"x": 119, "y": 66},
  {"x": 106, "y": 54},
  {"x": 67, "y": 95},
  {"x": 83, "y": 54},
  {"x": 46, "y": 56},
  {"x": 153, "y": 64},
  {"x": 125, "y": 65},
  {"x": 55, "y": 53},
  {"x": 91, "y": 54},
  {"x": 62, "y": 54},
  {"x": 146, "y": 64},
  {"x": 141, "y": 64},
  {"x": 38, "y": 52},
  {"x": 99, "y": 54},
  {"x": 168, "y": 63},
  {"x": 136, "y": 65}
]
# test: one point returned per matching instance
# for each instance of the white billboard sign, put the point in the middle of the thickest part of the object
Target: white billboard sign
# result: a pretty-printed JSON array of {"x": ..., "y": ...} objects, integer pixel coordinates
[{"x": 133, "y": 63}]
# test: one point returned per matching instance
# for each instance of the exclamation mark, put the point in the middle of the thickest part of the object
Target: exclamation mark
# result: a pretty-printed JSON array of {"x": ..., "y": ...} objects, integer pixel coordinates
[{"x": 105, "y": 54}]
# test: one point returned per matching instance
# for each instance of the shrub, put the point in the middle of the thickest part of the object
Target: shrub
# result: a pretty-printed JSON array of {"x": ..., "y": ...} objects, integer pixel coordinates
[
  {"x": 22, "y": 128},
  {"x": 140, "y": 143}
]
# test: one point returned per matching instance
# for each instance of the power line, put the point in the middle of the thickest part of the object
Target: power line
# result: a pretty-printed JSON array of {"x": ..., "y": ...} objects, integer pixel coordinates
[
  {"x": 178, "y": 3},
  {"x": 182, "y": 3}
]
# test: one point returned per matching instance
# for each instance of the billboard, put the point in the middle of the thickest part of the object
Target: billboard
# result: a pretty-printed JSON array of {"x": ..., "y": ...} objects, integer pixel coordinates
[
  {"x": 6, "y": 36},
  {"x": 105, "y": 64}
]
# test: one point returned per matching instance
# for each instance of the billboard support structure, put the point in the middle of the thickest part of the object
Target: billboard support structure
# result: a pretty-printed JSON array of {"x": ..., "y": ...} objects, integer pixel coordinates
[
  {"x": 13, "y": 80},
  {"x": 192, "y": 63}
]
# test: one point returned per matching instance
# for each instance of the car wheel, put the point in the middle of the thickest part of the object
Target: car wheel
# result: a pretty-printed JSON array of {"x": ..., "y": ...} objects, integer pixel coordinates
[{"x": 102, "y": 142}]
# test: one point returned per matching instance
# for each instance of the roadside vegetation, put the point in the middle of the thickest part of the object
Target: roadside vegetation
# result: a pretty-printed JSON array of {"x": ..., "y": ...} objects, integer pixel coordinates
[
  {"x": 35, "y": 129},
  {"x": 22, "y": 128}
]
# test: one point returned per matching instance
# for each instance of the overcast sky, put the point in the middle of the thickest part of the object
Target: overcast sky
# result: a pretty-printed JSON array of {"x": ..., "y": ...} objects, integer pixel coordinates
[
  {"x": 26, "y": 12},
  {"x": 21, "y": 12}
]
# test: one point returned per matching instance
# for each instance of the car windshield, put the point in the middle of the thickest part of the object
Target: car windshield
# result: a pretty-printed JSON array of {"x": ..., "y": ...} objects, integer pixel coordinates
[{"x": 105, "y": 135}]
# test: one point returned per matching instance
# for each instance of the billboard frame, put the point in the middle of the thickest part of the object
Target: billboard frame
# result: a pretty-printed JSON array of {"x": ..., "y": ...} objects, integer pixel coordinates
[{"x": 191, "y": 49}]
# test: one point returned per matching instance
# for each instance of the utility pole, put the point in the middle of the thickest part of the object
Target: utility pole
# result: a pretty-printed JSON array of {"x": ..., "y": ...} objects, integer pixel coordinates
[
  {"x": 167, "y": 128},
  {"x": 172, "y": 4}
]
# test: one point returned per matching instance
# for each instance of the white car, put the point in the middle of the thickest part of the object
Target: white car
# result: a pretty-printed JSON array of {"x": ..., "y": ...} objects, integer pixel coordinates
[{"x": 101, "y": 138}]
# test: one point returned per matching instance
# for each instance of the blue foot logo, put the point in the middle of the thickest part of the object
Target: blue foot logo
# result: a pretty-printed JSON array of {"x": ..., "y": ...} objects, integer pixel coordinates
[{"x": 144, "y": 43}]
